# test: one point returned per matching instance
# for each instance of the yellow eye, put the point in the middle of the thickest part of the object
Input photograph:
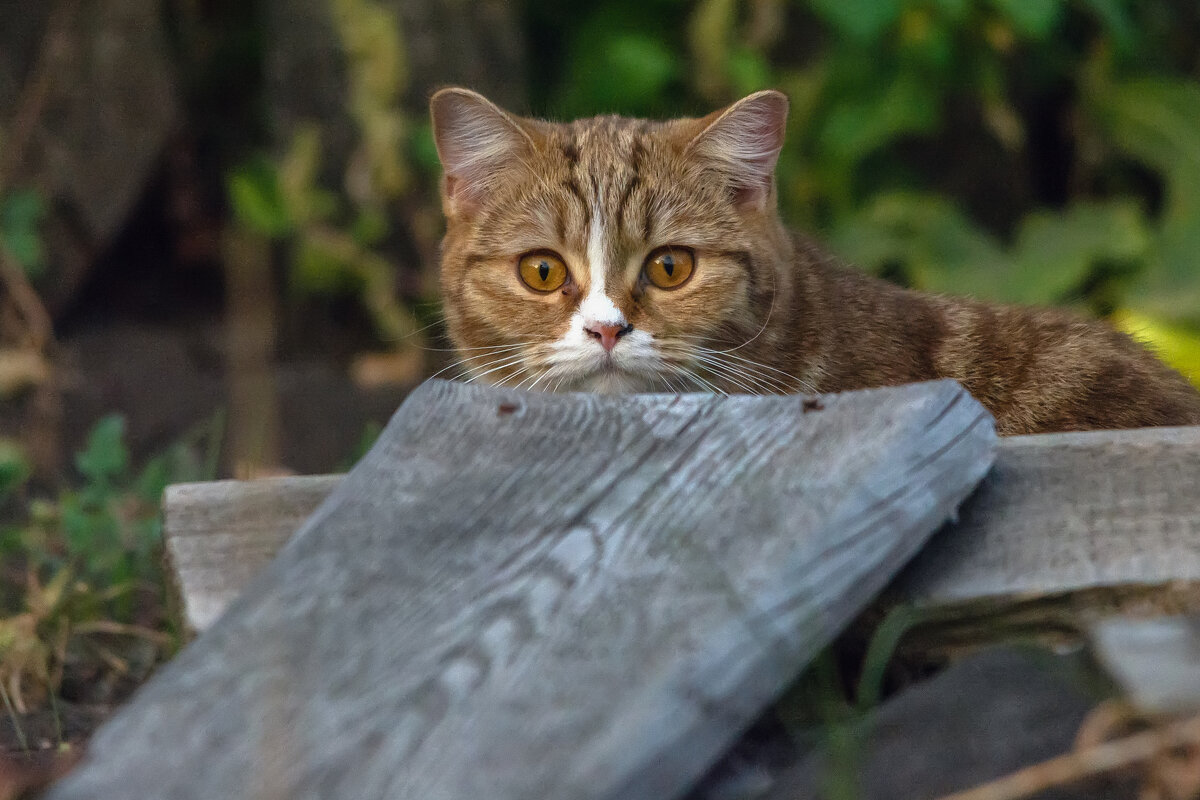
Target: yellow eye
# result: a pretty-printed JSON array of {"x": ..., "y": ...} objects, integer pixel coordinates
[
  {"x": 542, "y": 272},
  {"x": 669, "y": 267}
]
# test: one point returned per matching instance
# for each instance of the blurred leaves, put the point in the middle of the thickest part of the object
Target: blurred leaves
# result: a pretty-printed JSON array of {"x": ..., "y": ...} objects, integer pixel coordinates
[
  {"x": 21, "y": 214},
  {"x": 105, "y": 457},
  {"x": 1034, "y": 19},
  {"x": 1155, "y": 122},
  {"x": 257, "y": 198},
  {"x": 74, "y": 562},
  {"x": 333, "y": 239},
  {"x": 859, "y": 21},
  {"x": 939, "y": 249},
  {"x": 1021, "y": 151}
]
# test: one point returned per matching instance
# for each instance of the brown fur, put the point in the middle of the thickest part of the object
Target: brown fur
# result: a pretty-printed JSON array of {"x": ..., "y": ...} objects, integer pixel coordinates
[{"x": 764, "y": 311}]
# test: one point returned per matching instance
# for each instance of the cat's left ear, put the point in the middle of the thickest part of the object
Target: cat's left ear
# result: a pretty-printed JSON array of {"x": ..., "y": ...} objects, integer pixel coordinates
[{"x": 744, "y": 140}]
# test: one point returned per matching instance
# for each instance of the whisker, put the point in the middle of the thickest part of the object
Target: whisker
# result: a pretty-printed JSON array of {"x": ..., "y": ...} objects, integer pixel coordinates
[
  {"x": 771, "y": 384},
  {"x": 465, "y": 362},
  {"x": 515, "y": 360},
  {"x": 735, "y": 371},
  {"x": 701, "y": 382},
  {"x": 489, "y": 347}
]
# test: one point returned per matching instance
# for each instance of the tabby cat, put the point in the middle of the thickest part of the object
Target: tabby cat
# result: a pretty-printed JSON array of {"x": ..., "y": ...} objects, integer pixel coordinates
[{"x": 624, "y": 255}]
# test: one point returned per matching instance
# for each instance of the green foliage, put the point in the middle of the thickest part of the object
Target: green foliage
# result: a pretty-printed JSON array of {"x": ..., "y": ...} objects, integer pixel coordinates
[
  {"x": 258, "y": 200},
  {"x": 333, "y": 240},
  {"x": 86, "y": 565},
  {"x": 21, "y": 214},
  {"x": 14, "y": 468}
]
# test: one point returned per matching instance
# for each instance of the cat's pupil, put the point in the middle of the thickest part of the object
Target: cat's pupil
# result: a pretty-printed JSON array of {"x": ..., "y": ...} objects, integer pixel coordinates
[
  {"x": 668, "y": 263},
  {"x": 543, "y": 271}
]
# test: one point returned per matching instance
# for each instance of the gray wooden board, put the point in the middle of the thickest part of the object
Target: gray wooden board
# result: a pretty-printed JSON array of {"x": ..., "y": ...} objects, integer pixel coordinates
[
  {"x": 1156, "y": 661},
  {"x": 521, "y": 595},
  {"x": 223, "y": 533},
  {"x": 1103, "y": 521},
  {"x": 1110, "y": 516}
]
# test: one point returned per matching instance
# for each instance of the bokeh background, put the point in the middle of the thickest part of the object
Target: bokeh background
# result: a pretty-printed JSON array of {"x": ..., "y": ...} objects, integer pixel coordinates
[{"x": 219, "y": 225}]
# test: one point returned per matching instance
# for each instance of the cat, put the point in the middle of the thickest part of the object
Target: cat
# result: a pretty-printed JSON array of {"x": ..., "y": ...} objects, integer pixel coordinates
[{"x": 626, "y": 255}]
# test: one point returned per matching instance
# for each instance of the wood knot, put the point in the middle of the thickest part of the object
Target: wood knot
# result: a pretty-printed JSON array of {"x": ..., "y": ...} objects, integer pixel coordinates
[
  {"x": 505, "y": 409},
  {"x": 812, "y": 404}
]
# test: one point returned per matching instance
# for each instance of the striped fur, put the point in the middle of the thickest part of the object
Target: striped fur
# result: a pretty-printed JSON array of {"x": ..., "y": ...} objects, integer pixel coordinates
[{"x": 764, "y": 311}]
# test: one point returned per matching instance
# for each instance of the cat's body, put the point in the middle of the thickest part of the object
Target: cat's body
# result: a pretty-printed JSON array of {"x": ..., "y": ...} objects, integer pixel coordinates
[{"x": 623, "y": 255}]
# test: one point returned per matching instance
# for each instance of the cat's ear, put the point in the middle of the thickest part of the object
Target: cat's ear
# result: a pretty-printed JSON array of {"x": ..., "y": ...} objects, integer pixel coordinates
[
  {"x": 744, "y": 140},
  {"x": 476, "y": 141}
]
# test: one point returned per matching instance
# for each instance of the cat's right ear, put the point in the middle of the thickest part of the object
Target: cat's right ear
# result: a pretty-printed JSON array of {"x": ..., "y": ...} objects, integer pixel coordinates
[
  {"x": 476, "y": 141},
  {"x": 744, "y": 140}
]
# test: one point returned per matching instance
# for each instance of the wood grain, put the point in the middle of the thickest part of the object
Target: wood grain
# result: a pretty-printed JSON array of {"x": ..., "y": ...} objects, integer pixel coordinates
[
  {"x": 1106, "y": 520},
  {"x": 530, "y": 596},
  {"x": 1066, "y": 526},
  {"x": 222, "y": 533}
]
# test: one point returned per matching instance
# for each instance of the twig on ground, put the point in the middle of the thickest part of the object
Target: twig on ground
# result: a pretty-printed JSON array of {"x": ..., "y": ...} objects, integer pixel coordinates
[
  {"x": 1096, "y": 760},
  {"x": 122, "y": 629}
]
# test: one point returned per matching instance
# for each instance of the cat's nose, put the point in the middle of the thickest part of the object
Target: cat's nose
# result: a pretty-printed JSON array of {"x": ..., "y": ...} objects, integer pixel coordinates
[{"x": 607, "y": 333}]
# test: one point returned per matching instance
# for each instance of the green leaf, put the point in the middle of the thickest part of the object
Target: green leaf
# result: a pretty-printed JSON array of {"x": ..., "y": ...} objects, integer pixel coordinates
[
  {"x": 748, "y": 71},
  {"x": 1114, "y": 16},
  {"x": 423, "y": 149},
  {"x": 323, "y": 269},
  {"x": 21, "y": 214},
  {"x": 105, "y": 458},
  {"x": 177, "y": 464},
  {"x": 953, "y": 10},
  {"x": 863, "y": 21},
  {"x": 370, "y": 226},
  {"x": 857, "y": 126},
  {"x": 257, "y": 198},
  {"x": 641, "y": 66},
  {"x": 1035, "y": 19},
  {"x": 14, "y": 467},
  {"x": 617, "y": 64},
  {"x": 1154, "y": 120},
  {"x": 1055, "y": 252},
  {"x": 929, "y": 238}
]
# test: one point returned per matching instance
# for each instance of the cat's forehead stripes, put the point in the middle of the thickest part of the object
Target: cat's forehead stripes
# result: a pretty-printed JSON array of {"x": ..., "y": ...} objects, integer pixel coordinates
[{"x": 603, "y": 158}]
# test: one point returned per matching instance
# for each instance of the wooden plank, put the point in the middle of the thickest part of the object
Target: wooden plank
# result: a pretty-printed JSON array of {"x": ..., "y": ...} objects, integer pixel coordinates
[
  {"x": 523, "y": 595},
  {"x": 223, "y": 533},
  {"x": 1067, "y": 526},
  {"x": 1155, "y": 661},
  {"x": 1071, "y": 526}
]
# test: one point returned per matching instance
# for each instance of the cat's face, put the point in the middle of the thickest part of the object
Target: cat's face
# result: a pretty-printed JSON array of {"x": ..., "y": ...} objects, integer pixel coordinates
[{"x": 610, "y": 254}]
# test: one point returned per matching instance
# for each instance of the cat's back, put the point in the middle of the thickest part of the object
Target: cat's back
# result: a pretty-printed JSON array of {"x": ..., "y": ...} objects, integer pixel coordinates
[{"x": 1036, "y": 370}]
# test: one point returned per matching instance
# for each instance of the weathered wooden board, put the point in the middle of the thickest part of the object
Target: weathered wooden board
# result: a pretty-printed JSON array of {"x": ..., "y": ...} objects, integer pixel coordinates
[
  {"x": 223, "y": 533},
  {"x": 531, "y": 596},
  {"x": 1079, "y": 523},
  {"x": 1069, "y": 525},
  {"x": 1155, "y": 661}
]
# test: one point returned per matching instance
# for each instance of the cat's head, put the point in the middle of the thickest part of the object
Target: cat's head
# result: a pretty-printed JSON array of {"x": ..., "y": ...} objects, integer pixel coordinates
[{"x": 611, "y": 254}]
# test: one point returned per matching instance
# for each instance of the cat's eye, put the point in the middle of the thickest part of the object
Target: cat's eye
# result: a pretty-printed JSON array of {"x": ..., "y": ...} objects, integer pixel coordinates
[
  {"x": 669, "y": 267},
  {"x": 542, "y": 272}
]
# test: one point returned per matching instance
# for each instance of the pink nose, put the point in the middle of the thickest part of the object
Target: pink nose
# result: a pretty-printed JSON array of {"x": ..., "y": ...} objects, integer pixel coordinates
[{"x": 607, "y": 333}]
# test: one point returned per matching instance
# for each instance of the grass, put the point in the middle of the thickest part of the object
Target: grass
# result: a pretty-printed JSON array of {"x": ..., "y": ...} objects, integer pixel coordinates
[{"x": 86, "y": 610}]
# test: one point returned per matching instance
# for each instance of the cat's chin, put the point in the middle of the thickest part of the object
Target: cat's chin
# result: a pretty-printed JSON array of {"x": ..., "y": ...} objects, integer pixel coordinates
[{"x": 611, "y": 381}]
